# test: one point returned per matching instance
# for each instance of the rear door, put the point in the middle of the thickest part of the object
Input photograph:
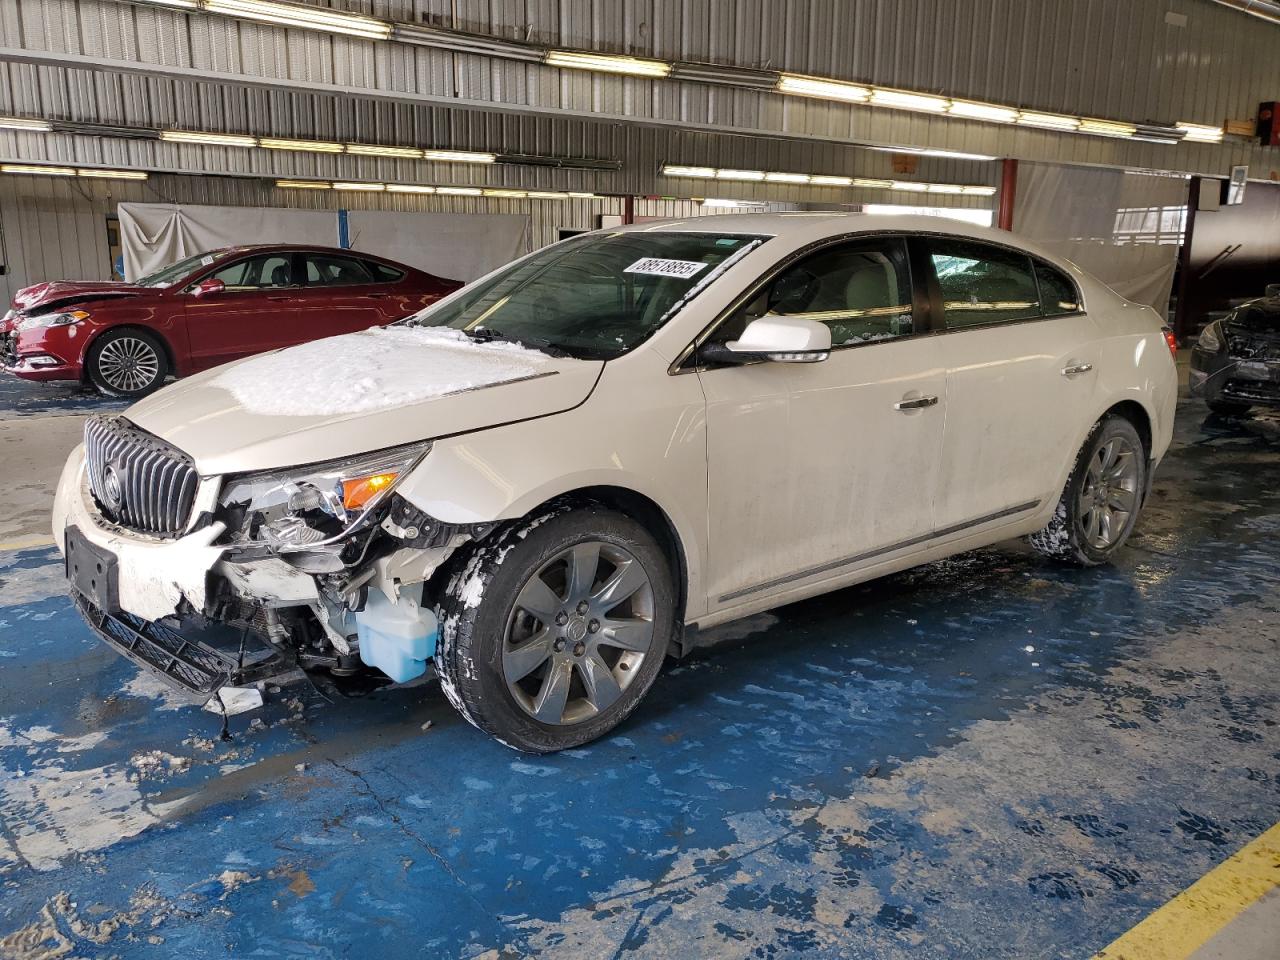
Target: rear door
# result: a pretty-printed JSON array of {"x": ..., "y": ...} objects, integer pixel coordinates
[
  {"x": 816, "y": 469},
  {"x": 1020, "y": 356},
  {"x": 342, "y": 295},
  {"x": 257, "y": 310}
]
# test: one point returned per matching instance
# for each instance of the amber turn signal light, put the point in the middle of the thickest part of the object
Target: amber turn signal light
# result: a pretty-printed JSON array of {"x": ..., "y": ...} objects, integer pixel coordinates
[{"x": 356, "y": 493}]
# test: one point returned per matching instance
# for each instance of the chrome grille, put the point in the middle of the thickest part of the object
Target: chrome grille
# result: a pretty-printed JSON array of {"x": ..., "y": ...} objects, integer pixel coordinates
[{"x": 138, "y": 480}]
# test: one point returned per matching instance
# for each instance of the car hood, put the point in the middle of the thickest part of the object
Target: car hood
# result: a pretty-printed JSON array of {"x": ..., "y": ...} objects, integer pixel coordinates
[
  {"x": 55, "y": 294},
  {"x": 352, "y": 394}
]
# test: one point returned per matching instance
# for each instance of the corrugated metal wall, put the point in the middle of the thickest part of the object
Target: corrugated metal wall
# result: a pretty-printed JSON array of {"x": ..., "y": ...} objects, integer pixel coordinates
[
  {"x": 1105, "y": 57},
  {"x": 57, "y": 229}
]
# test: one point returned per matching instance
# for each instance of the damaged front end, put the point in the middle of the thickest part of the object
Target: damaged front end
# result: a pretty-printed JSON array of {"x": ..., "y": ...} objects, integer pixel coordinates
[
  {"x": 1237, "y": 359},
  {"x": 221, "y": 582}
]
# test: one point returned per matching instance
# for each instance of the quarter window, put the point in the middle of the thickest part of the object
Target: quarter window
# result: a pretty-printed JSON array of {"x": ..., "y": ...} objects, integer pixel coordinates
[
  {"x": 268, "y": 270},
  {"x": 983, "y": 284},
  {"x": 324, "y": 269},
  {"x": 1057, "y": 292},
  {"x": 384, "y": 273},
  {"x": 861, "y": 290}
]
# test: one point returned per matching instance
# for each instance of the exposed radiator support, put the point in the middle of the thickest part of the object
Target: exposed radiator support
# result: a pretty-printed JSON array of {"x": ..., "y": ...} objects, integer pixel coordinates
[{"x": 1262, "y": 9}]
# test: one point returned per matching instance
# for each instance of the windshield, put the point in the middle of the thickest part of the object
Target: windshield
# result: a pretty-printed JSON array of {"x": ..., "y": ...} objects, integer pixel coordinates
[
  {"x": 595, "y": 296},
  {"x": 168, "y": 276}
]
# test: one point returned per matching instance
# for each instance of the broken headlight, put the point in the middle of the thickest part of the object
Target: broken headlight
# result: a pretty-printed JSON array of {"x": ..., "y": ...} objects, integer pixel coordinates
[
  {"x": 1209, "y": 341},
  {"x": 307, "y": 507}
]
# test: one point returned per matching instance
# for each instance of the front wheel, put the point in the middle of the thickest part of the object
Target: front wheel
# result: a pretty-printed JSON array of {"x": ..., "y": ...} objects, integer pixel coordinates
[
  {"x": 551, "y": 634},
  {"x": 127, "y": 363},
  {"x": 1100, "y": 504}
]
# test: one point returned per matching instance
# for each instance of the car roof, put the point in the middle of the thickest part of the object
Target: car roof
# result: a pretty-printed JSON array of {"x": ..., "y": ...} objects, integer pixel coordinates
[{"x": 811, "y": 225}]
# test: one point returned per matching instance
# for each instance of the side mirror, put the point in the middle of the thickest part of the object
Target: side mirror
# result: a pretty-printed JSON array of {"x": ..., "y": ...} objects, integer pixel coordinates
[
  {"x": 206, "y": 287},
  {"x": 780, "y": 339}
]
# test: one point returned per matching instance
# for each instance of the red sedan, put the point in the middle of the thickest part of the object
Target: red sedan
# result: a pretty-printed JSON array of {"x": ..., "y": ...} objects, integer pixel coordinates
[{"x": 125, "y": 338}]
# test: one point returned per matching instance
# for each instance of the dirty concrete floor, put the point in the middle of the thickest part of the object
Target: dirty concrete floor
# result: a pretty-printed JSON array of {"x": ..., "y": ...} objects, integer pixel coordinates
[{"x": 988, "y": 757}]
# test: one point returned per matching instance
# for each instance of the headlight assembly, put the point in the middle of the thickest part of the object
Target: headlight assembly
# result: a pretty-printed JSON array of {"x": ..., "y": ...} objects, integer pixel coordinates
[
  {"x": 63, "y": 319},
  {"x": 1209, "y": 339},
  {"x": 309, "y": 507}
]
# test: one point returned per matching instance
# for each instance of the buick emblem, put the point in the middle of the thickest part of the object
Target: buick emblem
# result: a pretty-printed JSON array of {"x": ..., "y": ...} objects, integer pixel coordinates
[{"x": 112, "y": 491}]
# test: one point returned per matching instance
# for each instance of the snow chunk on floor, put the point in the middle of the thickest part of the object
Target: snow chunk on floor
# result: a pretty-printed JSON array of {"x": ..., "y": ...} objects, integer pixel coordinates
[{"x": 372, "y": 370}]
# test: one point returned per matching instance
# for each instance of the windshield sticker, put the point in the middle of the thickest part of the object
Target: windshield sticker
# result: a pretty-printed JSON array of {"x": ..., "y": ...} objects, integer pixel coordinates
[
  {"x": 206, "y": 260},
  {"x": 682, "y": 269}
]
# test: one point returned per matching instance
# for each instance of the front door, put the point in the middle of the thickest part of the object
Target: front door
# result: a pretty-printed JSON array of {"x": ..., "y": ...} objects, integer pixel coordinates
[
  {"x": 1020, "y": 356},
  {"x": 818, "y": 468},
  {"x": 256, "y": 311}
]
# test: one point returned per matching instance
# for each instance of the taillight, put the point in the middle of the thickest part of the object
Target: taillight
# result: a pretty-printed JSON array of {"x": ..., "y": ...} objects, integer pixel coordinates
[{"x": 1171, "y": 339}]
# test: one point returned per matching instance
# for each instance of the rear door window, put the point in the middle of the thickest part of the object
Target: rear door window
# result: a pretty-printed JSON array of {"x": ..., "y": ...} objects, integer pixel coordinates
[
  {"x": 983, "y": 284},
  {"x": 1057, "y": 291},
  {"x": 382, "y": 272},
  {"x": 323, "y": 269}
]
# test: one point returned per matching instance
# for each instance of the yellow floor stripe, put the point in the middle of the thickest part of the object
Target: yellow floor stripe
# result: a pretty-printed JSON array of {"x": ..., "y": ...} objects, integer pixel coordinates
[
  {"x": 1188, "y": 921},
  {"x": 27, "y": 543}
]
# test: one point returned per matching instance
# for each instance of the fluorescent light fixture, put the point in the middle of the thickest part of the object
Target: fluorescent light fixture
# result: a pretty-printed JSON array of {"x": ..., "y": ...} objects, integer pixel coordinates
[
  {"x": 633, "y": 66},
  {"x": 374, "y": 150},
  {"x": 739, "y": 174},
  {"x": 826, "y": 89},
  {"x": 583, "y": 196},
  {"x": 1050, "y": 121},
  {"x": 909, "y": 185},
  {"x": 307, "y": 17},
  {"x": 1195, "y": 132},
  {"x": 873, "y": 184},
  {"x": 982, "y": 111},
  {"x": 312, "y": 146},
  {"x": 547, "y": 195},
  {"x": 303, "y": 184},
  {"x": 930, "y": 152},
  {"x": 786, "y": 177},
  {"x": 409, "y": 188},
  {"x": 459, "y": 156},
  {"x": 37, "y": 171},
  {"x": 945, "y": 188},
  {"x": 678, "y": 171},
  {"x": 905, "y": 100},
  {"x": 460, "y": 191},
  {"x": 112, "y": 174},
  {"x": 978, "y": 191},
  {"x": 1107, "y": 128},
  {"x": 181, "y": 4},
  {"x": 822, "y": 180},
  {"x": 362, "y": 187},
  {"x": 208, "y": 139},
  {"x": 22, "y": 123},
  {"x": 509, "y": 194}
]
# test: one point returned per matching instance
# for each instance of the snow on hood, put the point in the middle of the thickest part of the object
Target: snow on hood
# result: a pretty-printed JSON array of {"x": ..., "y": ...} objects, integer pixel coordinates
[{"x": 373, "y": 370}]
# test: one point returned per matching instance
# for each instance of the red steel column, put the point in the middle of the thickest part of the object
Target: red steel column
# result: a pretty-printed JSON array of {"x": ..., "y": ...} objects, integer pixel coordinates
[
  {"x": 1008, "y": 190},
  {"x": 628, "y": 209}
]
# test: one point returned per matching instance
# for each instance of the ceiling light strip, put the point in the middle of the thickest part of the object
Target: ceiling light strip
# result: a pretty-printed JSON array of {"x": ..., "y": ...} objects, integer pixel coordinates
[
  {"x": 300, "y": 15},
  {"x": 604, "y": 63},
  {"x": 365, "y": 186},
  {"x": 822, "y": 180},
  {"x": 96, "y": 173}
]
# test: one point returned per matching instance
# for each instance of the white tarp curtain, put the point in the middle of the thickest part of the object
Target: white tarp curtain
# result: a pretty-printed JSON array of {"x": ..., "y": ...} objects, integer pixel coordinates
[
  {"x": 454, "y": 245},
  {"x": 1123, "y": 228},
  {"x": 461, "y": 246},
  {"x": 154, "y": 235}
]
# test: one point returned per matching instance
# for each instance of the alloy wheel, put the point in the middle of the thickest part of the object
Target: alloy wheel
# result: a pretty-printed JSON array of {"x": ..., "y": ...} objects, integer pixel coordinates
[
  {"x": 580, "y": 627},
  {"x": 128, "y": 364},
  {"x": 1109, "y": 493}
]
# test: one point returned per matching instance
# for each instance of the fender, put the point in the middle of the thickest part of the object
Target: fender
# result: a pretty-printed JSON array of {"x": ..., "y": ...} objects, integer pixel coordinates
[{"x": 505, "y": 472}]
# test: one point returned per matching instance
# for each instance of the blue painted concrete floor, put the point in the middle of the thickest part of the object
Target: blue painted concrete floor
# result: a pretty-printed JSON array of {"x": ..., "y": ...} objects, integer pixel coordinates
[{"x": 992, "y": 756}]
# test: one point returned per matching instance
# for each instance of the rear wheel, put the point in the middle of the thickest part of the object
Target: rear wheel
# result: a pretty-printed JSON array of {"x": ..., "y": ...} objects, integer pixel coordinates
[
  {"x": 551, "y": 635},
  {"x": 1100, "y": 503},
  {"x": 127, "y": 363}
]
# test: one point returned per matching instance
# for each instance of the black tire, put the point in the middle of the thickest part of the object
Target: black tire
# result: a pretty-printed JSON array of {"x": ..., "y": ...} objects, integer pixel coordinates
[
  {"x": 1228, "y": 408},
  {"x": 127, "y": 362},
  {"x": 1065, "y": 537},
  {"x": 480, "y": 604}
]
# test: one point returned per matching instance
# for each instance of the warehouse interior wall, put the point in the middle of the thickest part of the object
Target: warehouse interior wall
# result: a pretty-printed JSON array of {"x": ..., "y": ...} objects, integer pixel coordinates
[{"x": 1124, "y": 228}]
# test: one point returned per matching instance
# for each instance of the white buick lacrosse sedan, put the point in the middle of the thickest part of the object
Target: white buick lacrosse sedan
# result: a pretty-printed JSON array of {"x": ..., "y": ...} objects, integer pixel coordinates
[{"x": 539, "y": 483}]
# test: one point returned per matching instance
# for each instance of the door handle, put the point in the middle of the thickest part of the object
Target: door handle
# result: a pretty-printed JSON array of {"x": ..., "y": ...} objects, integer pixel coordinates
[
  {"x": 1075, "y": 369},
  {"x": 916, "y": 403}
]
